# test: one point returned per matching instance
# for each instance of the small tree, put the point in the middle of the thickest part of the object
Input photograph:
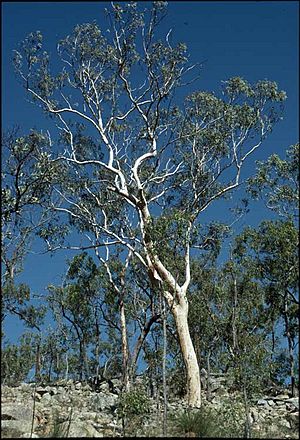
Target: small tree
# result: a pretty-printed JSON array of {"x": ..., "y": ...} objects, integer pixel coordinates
[
  {"x": 17, "y": 360},
  {"x": 25, "y": 185},
  {"x": 74, "y": 301}
]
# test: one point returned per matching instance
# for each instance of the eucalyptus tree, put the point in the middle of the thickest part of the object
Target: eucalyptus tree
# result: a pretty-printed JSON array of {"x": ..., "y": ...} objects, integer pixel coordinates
[
  {"x": 273, "y": 248},
  {"x": 26, "y": 183},
  {"x": 276, "y": 182},
  {"x": 148, "y": 157},
  {"x": 75, "y": 303},
  {"x": 54, "y": 353},
  {"x": 17, "y": 360},
  {"x": 272, "y": 251},
  {"x": 130, "y": 306}
]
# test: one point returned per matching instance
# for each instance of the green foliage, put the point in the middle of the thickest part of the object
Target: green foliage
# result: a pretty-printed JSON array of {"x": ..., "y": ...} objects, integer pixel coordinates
[
  {"x": 277, "y": 182},
  {"x": 230, "y": 419},
  {"x": 224, "y": 422},
  {"x": 17, "y": 360},
  {"x": 133, "y": 407},
  {"x": 134, "y": 403},
  {"x": 195, "y": 423},
  {"x": 15, "y": 300}
]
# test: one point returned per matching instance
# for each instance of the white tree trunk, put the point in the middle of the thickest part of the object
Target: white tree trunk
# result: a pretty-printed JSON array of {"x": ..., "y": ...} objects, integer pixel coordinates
[
  {"x": 125, "y": 349},
  {"x": 180, "y": 313}
]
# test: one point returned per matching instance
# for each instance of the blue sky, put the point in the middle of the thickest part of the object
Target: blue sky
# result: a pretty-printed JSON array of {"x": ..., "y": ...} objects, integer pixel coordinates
[{"x": 254, "y": 39}]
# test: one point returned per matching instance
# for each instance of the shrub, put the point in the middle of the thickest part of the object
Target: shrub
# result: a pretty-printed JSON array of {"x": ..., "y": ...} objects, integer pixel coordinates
[
  {"x": 228, "y": 421},
  {"x": 133, "y": 406},
  {"x": 195, "y": 423},
  {"x": 134, "y": 403}
]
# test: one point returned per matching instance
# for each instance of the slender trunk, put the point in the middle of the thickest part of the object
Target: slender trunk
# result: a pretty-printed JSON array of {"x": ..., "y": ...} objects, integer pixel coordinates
[
  {"x": 234, "y": 312},
  {"x": 273, "y": 343},
  {"x": 67, "y": 367},
  {"x": 125, "y": 349},
  {"x": 38, "y": 363},
  {"x": 290, "y": 348},
  {"x": 180, "y": 313},
  {"x": 164, "y": 369},
  {"x": 197, "y": 346},
  {"x": 81, "y": 363},
  {"x": 97, "y": 345},
  {"x": 247, "y": 415},
  {"x": 50, "y": 368},
  {"x": 208, "y": 381},
  {"x": 139, "y": 343},
  {"x": 85, "y": 363},
  {"x": 86, "y": 366},
  {"x": 57, "y": 365}
]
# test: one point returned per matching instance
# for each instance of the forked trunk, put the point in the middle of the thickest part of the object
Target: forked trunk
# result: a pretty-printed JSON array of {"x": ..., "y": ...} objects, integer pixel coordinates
[{"x": 180, "y": 313}]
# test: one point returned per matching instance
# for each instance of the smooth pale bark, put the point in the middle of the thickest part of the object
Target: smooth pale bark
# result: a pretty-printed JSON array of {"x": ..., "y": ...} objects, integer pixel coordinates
[
  {"x": 178, "y": 305},
  {"x": 180, "y": 314},
  {"x": 125, "y": 349}
]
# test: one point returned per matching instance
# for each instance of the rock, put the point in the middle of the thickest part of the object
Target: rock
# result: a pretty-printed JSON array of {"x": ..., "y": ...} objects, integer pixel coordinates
[
  {"x": 61, "y": 390},
  {"x": 293, "y": 402},
  {"x": 16, "y": 419},
  {"x": 262, "y": 402},
  {"x": 214, "y": 383},
  {"x": 46, "y": 398},
  {"x": 88, "y": 415},
  {"x": 102, "y": 401},
  {"x": 78, "y": 386},
  {"x": 254, "y": 415},
  {"x": 117, "y": 383},
  {"x": 80, "y": 428},
  {"x": 94, "y": 414},
  {"x": 280, "y": 403},
  {"x": 42, "y": 390},
  {"x": 104, "y": 387},
  {"x": 62, "y": 398},
  {"x": 271, "y": 402},
  {"x": 281, "y": 397},
  {"x": 25, "y": 387},
  {"x": 29, "y": 435},
  {"x": 221, "y": 391},
  {"x": 293, "y": 418}
]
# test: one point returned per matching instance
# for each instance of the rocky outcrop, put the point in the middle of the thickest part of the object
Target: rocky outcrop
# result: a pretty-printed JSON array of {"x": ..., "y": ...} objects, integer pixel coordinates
[{"x": 73, "y": 409}]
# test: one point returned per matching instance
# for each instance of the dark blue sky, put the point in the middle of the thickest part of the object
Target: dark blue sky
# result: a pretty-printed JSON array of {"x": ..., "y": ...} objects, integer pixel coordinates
[{"x": 254, "y": 39}]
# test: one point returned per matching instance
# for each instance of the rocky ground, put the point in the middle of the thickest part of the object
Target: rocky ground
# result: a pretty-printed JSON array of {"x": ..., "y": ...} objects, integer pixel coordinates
[{"x": 68, "y": 409}]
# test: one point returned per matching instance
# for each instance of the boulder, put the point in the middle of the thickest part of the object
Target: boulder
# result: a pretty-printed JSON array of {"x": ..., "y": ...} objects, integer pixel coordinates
[
  {"x": 293, "y": 418},
  {"x": 262, "y": 402},
  {"x": 293, "y": 402},
  {"x": 271, "y": 402},
  {"x": 78, "y": 386},
  {"x": 281, "y": 397},
  {"x": 42, "y": 390},
  {"x": 80, "y": 428},
  {"x": 254, "y": 415},
  {"x": 102, "y": 401},
  {"x": 46, "y": 398},
  {"x": 16, "y": 420}
]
